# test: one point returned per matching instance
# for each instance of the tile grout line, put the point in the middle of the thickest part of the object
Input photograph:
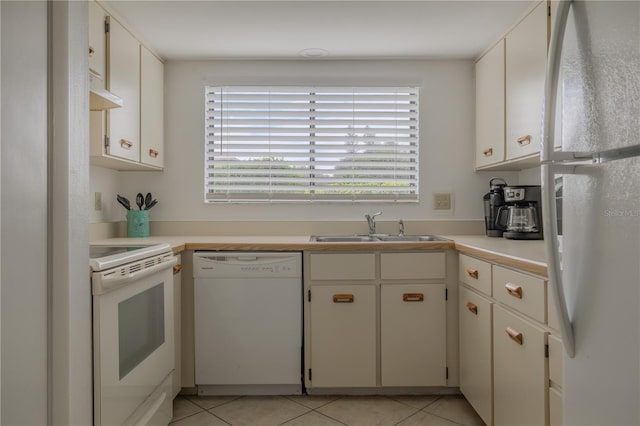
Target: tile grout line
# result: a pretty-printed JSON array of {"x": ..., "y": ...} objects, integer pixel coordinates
[
  {"x": 296, "y": 417},
  {"x": 442, "y": 417},
  {"x": 410, "y": 415},
  {"x": 218, "y": 417},
  {"x": 328, "y": 416}
]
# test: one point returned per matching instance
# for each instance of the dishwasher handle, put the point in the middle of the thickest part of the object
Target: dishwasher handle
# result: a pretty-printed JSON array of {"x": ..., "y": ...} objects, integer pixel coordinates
[{"x": 247, "y": 258}]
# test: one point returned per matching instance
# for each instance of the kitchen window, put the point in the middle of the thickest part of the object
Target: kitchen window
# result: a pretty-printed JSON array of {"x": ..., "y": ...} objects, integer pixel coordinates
[{"x": 270, "y": 144}]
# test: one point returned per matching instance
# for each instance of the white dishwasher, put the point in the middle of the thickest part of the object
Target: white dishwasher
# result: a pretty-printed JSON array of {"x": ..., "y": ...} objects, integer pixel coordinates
[{"x": 248, "y": 323}]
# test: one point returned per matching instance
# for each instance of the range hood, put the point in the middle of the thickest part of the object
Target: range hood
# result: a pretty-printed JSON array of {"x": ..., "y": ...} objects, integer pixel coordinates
[{"x": 99, "y": 98}]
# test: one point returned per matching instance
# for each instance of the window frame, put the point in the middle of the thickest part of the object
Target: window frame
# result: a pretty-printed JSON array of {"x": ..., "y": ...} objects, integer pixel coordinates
[{"x": 366, "y": 124}]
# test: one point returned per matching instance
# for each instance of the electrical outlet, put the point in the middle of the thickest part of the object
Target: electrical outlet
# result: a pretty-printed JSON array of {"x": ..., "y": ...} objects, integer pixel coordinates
[
  {"x": 442, "y": 201},
  {"x": 98, "y": 201}
]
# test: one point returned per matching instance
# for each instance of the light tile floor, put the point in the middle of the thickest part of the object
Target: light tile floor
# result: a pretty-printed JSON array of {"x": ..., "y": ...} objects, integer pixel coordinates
[{"x": 313, "y": 410}]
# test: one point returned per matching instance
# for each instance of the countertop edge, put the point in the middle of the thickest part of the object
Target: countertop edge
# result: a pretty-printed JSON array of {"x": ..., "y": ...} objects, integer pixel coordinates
[
  {"x": 471, "y": 245},
  {"x": 523, "y": 264}
]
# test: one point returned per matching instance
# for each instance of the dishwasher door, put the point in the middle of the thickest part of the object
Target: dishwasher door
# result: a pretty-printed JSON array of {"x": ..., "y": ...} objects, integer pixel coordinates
[{"x": 248, "y": 323}]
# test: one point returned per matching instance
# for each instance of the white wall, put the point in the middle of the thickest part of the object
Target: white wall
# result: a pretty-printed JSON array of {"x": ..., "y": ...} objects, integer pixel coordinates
[
  {"x": 529, "y": 176},
  {"x": 70, "y": 386},
  {"x": 24, "y": 213},
  {"x": 106, "y": 182},
  {"x": 447, "y": 99}
]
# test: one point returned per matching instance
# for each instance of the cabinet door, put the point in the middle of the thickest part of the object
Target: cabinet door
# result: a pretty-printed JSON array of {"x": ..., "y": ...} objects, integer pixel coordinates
[
  {"x": 555, "y": 407},
  {"x": 177, "y": 324},
  {"x": 519, "y": 370},
  {"x": 123, "y": 79},
  {"x": 413, "y": 335},
  {"x": 151, "y": 109},
  {"x": 343, "y": 336},
  {"x": 475, "y": 316},
  {"x": 490, "y": 107},
  {"x": 526, "y": 59},
  {"x": 97, "y": 41}
]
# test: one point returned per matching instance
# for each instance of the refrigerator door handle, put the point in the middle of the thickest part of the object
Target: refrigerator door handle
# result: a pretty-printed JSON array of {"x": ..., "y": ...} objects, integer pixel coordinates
[
  {"x": 548, "y": 171},
  {"x": 554, "y": 271}
]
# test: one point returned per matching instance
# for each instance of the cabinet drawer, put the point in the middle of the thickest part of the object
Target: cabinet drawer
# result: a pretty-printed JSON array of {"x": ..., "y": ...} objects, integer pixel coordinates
[
  {"x": 522, "y": 292},
  {"x": 520, "y": 379},
  {"x": 338, "y": 266},
  {"x": 475, "y": 273},
  {"x": 555, "y": 360},
  {"x": 475, "y": 351},
  {"x": 409, "y": 266}
]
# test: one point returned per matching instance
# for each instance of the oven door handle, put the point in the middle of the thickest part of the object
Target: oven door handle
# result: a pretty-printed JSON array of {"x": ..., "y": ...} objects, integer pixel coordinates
[{"x": 108, "y": 283}]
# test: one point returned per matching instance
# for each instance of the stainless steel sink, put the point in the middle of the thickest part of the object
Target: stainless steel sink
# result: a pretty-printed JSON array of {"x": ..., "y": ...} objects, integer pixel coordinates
[
  {"x": 411, "y": 238},
  {"x": 342, "y": 238},
  {"x": 376, "y": 238}
]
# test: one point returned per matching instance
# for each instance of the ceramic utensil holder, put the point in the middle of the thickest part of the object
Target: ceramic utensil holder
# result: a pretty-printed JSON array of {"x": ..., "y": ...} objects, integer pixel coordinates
[{"x": 137, "y": 223}]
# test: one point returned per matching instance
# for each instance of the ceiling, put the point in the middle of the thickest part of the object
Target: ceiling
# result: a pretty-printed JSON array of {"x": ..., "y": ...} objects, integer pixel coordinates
[{"x": 239, "y": 29}]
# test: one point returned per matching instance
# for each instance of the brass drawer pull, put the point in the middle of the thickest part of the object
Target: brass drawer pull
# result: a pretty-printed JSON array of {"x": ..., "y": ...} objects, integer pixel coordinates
[
  {"x": 177, "y": 268},
  {"x": 525, "y": 140},
  {"x": 413, "y": 297},
  {"x": 126, "y": 144},
  {"x": 514, "y": 290},
  {"x": 473, "y": 273},
  {"x": 153, "y": 153},
  {"x": 472, "y": 308},
  {"x": 488, "y": 152},
  {"x": 343, "y": 298},
  {"x": 515, "y": 335}
]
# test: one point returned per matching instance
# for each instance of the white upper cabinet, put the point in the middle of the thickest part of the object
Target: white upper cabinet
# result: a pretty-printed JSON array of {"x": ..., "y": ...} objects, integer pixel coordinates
[
  {"x": 151, "y": 109},
  {"x": 130, "y": 137},
  {"x": 490, "y": 107},
  {"x": 123, "y": 79},
  {"x": 97, "y": 43},
  {"x": 526, "y": 59}
]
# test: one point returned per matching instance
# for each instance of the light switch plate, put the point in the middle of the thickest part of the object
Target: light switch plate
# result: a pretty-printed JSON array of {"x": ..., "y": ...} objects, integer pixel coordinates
[{"x": 442, "y": 201}]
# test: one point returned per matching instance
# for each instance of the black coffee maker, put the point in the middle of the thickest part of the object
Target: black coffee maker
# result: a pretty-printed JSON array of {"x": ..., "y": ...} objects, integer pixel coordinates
[
  {"x": 521, "y": 216},
  {"x": 493, "y": 200}
]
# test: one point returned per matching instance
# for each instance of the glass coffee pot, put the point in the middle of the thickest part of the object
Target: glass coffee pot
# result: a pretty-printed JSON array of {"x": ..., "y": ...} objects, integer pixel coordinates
[{"x": 518, "y": 218}]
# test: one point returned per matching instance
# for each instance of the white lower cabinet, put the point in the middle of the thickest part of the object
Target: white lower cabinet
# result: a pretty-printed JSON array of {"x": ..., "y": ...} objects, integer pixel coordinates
[
  {"x": 476, "y": 371},
  {"x": 412, "y": 335},
  {"x": 177, "y": 323},
  {"x": 519, "y": 370},
  {"x": 555, "y": 380},
  {"x": 510, "y": 357},
  {"x": 343, "y": 336},
  {"x": 555, "y": 407},
  {"x": 377, "y": 319}
]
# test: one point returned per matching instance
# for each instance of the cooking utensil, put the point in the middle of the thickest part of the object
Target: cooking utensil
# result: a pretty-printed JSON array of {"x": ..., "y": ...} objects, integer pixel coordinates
[
  {"x": 147, "y": 200},
  {"x": 140, "y": 200},
  {"x": 123, "y": 201},
  {"x": 151, "y": 204}
]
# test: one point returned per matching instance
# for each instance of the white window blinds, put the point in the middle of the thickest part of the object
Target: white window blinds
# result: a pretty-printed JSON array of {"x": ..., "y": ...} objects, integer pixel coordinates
[{"x": 311, "y": 143}]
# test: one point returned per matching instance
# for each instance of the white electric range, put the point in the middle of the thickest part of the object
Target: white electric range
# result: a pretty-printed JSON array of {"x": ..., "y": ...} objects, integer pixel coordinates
[{"x": 133, "y": 346}]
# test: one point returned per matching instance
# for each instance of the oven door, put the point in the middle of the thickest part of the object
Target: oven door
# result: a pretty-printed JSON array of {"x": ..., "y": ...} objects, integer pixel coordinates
[{"x": 133, "y": 337}]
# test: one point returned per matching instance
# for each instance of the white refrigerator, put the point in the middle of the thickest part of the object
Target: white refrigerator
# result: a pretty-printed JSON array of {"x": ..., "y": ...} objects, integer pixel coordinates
[{"x": 593, "y": 109}]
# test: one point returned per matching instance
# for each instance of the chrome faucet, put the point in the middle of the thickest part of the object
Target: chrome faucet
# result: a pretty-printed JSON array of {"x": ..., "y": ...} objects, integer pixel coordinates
[
  {"x": 371, "y": 221},
  {"x": 401, "y": 228}
]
